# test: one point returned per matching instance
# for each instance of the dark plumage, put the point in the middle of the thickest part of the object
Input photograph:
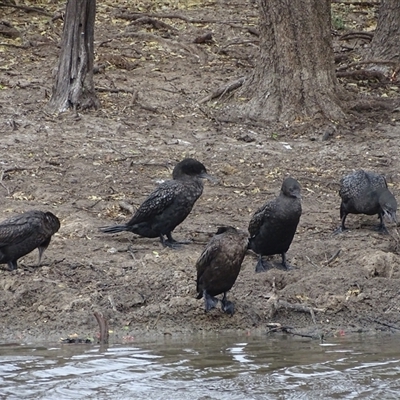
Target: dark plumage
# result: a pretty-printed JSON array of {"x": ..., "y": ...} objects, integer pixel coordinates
[
  {"x": 218, "y": 266},
  {"x": 273, "y": 226},
  {"x": 169, "y": 204},
  {"x": 364, "y": 192},
  {"x": 23, "y": 233}
]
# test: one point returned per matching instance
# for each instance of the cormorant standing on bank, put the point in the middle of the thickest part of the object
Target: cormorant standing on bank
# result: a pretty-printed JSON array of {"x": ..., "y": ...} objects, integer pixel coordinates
[
  {"x": 273, "y": 226},
  {"x": 364, "y": 192},
  {"x": 169, "y": 204},
  {"x": 24, "y": 233},
  {"x": 219, "y": 265}
]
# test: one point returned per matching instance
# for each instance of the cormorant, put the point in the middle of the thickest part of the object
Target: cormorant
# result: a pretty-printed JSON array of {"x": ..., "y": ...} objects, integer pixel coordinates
[
  {"x": 23, "y": 233},
  {"x": 218, "y": 266},
  {"x": 364, "y": 192},
  {"x": 168, "y": 205},
  {"x": 273, "y": 226}
]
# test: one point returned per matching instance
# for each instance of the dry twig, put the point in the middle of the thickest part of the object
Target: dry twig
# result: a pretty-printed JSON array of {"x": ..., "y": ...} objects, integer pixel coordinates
[
  {"x": 333, "y": 258},
  {"x": 103, "y": 325}
]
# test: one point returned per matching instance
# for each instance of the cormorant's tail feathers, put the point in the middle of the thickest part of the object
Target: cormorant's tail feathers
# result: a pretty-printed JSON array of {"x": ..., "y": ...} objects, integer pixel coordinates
[{"x": 113, "y": 229}]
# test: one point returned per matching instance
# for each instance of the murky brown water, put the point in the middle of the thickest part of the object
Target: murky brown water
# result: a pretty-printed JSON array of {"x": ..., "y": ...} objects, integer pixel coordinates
[{"x": 211, "y": 367}]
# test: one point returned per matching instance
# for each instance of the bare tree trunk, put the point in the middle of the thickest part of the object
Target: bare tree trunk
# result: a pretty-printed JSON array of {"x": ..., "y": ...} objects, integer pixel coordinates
[
  {"x": 74, "y": 87},
  {"x": 385, "y": 43},
  {"x": 294, "y": 79}
]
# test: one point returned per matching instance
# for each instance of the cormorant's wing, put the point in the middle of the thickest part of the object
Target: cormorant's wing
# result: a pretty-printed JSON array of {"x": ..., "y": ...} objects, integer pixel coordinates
[
  {"x": 377, "y": 180},
  {"x": 259, "y": 217},
  {"x": 206, "y": 257},
  {"x": 157, "y": 202},
  {"x": 17, "y": 229}
]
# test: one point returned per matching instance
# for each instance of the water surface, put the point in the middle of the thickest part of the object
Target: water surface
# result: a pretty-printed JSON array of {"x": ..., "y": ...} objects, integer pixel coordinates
[{"x": 206, "y": 367}]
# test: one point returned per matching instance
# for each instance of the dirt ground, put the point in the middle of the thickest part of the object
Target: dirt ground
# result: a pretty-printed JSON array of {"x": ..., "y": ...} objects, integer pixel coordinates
[{"x": 150, "y": 82}]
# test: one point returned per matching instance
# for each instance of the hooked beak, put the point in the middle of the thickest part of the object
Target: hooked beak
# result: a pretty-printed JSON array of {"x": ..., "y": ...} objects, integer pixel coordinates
[
  {"x": 390, "y": 215},
  {"x": 204, "y": 175}
]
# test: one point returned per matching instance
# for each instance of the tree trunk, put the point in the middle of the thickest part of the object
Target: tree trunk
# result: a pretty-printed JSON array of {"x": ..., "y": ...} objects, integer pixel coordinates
[
  {"x": 294, "y": 79},
  {"x": 74, "y": 85},
  {"x": 385, "y": 43}
]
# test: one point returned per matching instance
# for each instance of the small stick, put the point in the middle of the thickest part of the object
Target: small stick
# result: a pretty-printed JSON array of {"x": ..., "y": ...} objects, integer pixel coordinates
[
  {"x": 333, "y": 258},
  {"x": 103, "y": 325}
]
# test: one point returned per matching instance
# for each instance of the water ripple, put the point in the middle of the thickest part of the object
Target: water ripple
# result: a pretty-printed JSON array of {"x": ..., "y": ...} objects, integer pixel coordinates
[{"x": 205, "y": 368}]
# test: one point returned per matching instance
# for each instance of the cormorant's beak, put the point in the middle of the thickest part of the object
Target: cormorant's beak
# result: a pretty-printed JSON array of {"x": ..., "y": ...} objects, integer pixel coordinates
[
  {"x": 204, "y": 175},
  {"x": 296, "y": 194},
  {"x": 390, "y": 215}
]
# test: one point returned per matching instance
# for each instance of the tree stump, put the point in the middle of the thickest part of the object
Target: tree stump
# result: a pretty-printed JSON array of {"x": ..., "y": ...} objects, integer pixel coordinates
[{"x": 74, "y": 87}]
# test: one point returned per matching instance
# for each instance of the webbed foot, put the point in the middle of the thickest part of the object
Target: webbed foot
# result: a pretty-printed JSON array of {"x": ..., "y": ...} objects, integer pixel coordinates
[
  {"x": 381, "y": 228},
  {"x": 263, "y": 265},
  {"x": 284, "y": 264},
  {"x": 171, "y": 242},
  {"x": 228, "y": 307},
  {"x": 339, "y": 230},
  {"x": 210, "y": 302}
]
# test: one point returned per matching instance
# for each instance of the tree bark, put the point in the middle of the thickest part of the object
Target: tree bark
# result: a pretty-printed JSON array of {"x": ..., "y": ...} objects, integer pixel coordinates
[
  {"x": 74, "y": 87},
  {"x": 385, "y": 43},
  {"x": 294, "y": 79}
]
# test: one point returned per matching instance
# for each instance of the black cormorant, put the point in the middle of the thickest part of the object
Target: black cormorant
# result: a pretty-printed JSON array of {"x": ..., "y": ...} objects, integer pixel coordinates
[
  {"x": 23, "y": 233},
  {"x": 364, "y": 192},
  {"x": 273, "y": 226},
  {"x": 218, "y": 266},
  {"x": 168, "y": 205}
]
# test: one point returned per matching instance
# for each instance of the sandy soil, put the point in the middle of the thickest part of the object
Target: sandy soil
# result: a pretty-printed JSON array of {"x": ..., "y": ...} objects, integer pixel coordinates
[{"x": 81, "y": 168}]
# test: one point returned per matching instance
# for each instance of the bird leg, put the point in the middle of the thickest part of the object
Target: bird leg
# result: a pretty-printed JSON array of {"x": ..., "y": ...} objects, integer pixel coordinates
[
  {"x": 262, "y": 265},
  {"x": 342, "y": 227},
  {"x": 42, "y": 248},
  {"x": 285, "y": 264},
  {"x": 227, "y": 306},
  {"x": 171, "y": 242},
  {"x": 209, "y": 301},
  {"x": 12, "y": 265},
  {"x": 381, "y": 228}
]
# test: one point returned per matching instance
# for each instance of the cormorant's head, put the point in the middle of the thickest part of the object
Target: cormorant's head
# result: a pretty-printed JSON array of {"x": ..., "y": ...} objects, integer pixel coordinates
[
  {"x": 388, "y": 204},
  {"x": 52, "y": 221},
  {"x": 191, "y": 167},
  {"x": 291, "y": 188}
]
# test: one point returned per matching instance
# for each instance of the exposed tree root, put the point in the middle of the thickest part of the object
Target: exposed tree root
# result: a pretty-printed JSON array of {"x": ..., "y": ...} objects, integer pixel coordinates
[
  {"x": 371, "y": 105},
  {"x": 358, "y": 3},
  {"x": 277, "y": 327},
  {"x": 224, "y": 90},
  {"x": 366, "y": 62},
  {"x": 153, "y": 22},
  {"x": 362, "y": 74},
  {"x": 382, "y": 323},
  {"x": 27, "y": 9},
  {"x": 135, "y": 16}
]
